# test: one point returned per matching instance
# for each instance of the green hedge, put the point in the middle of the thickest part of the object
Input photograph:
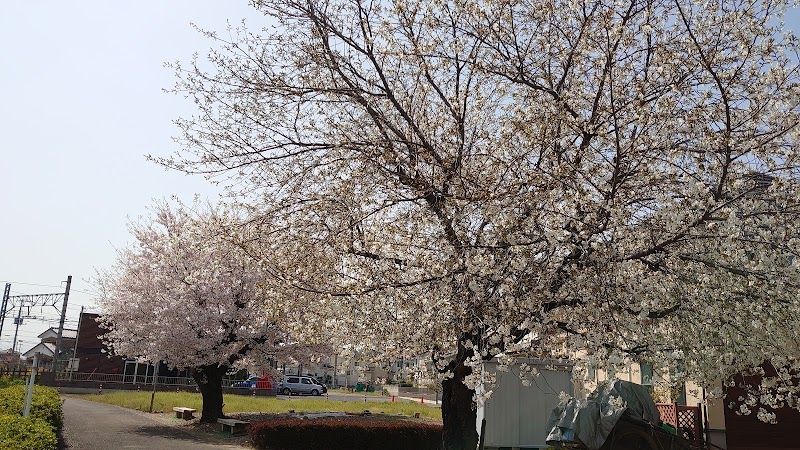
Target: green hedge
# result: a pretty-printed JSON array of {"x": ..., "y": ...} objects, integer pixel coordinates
[
  {"x": 45, "y": 405},
  {"x": 8, "y": 380},
  {"x": 336, "y": 434},
  {"x": 20, "y": 433}
]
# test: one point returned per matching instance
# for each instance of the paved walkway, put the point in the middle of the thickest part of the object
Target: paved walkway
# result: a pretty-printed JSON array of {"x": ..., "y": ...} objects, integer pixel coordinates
[{"x": 97, "y": 426}]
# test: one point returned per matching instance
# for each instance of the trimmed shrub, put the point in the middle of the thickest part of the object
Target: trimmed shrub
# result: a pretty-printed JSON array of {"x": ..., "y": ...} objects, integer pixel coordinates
[
  {"x": 20, "y": 433},
  {"x": 336, "y": 434},
  {"x": 8, "y": 380},
  {"x": 45, "y": 404}
]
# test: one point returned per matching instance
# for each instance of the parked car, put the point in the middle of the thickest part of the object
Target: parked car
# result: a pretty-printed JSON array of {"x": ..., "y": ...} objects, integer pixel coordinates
[
  {"x": 250, "y": 382},
  {"x": 255, "y": 382},
  {"x": 293, "y": 384}
]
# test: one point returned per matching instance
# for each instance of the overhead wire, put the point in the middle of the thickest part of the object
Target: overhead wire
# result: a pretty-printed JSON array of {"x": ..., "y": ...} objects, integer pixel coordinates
[
  {"x": 30, "y": 338},
  {"x": 45, "y": 285}
]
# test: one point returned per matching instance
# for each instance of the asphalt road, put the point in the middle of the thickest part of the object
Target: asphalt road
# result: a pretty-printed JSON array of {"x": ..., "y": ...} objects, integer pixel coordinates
[
  {"x": 97, "y": 426},
  {"x": 408, "y": 396},
  {"x": 412, "y": 397},
  {"x": 338, "y": 397}
]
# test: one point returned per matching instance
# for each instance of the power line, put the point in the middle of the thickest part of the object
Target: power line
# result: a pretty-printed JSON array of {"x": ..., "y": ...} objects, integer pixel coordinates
[
  {"x": 30, "y": 301},
  {"x": 32, "y": 284},
  {"x": 48, "y": 286}
]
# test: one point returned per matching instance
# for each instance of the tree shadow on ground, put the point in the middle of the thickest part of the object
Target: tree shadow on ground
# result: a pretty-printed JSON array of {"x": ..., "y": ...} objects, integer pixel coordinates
[
  {"x": 62, "y": 443},
  {"x": 169, "y": 432},
  {"x": 197, "y": 435}
]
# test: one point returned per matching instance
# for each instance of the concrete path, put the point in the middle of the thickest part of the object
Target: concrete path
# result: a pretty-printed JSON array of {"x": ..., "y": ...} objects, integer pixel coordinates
[{"x": 97, "y": 426}]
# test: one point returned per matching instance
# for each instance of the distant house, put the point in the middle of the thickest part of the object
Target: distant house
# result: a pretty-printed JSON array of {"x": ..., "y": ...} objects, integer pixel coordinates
[
  {"x": 45, "y": 350},
  {"x": 67, "y": 337},
  {"x": 46, "y": 347}
]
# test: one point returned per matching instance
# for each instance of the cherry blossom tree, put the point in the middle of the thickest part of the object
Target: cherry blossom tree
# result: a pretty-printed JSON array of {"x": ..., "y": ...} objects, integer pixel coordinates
[
  {"x": 477, "y": 179},
  {"x": 185, "y": 294}
]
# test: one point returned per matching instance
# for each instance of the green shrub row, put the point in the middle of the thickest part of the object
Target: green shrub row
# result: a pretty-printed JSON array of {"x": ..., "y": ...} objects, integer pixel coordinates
[
  {"x": 21, "y": 433},
  {"x": 8, "y": 380},
  {"x": 45, "y": 404},
  {"x": 335, "y": 434},
  {"x": 35, "y": 432}
]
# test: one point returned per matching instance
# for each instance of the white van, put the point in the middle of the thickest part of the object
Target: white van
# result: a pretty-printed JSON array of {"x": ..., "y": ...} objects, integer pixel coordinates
[{"x": 295, "y": 384}]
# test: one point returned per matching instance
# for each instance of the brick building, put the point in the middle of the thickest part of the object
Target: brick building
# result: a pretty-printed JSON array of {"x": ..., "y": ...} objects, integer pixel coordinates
[{"x": 90, "y": 350}]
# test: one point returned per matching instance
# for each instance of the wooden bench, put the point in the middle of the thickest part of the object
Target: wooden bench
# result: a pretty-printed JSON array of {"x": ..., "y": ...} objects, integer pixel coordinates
[
  {"x": 233, "y": 425},
  {"x": 184, "y": 413}
]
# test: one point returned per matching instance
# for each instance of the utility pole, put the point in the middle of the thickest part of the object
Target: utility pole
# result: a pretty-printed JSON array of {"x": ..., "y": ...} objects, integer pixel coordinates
[
  {"x": 6, "y": 293},
  {"x": 28, "y": 301},
  {"x": 57, "y": 355},
  {"x": 29, "y": 390},
  {"x": 75, "y": 349},
  {"x": 17, "y": 322}
]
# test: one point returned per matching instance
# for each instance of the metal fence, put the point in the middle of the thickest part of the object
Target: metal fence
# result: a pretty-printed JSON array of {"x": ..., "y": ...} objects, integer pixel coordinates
[
  {"x": 15, "y": 373},
  {"x": 125, "y": 379},
  {"x": 133, "y": 379}
]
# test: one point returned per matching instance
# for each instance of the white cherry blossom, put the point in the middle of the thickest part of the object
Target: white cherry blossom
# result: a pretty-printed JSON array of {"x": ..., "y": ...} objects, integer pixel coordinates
[{"x": 550, "y": 178}]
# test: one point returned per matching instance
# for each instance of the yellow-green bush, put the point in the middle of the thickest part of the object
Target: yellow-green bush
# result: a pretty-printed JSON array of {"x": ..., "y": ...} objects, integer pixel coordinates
[
  {"x": 45, "y": 405},
  {"x": 20, "y": 433},
  {"x": 8, "y": 380}
]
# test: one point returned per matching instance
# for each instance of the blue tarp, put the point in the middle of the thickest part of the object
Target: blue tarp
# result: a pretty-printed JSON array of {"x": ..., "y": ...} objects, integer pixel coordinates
[{"x": 590, "y": 421}]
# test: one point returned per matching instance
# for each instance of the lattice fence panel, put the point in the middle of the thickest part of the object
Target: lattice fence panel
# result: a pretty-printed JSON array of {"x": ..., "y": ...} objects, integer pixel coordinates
[
  {"x": 689, "y": 423},
  {"x": 668, "y": 414},
  {"x": 685, "y": 419}
]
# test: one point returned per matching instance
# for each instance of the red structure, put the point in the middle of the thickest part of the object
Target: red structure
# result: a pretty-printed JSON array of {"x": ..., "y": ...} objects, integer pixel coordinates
[
  {"x": 685, "y": 419},
  {"x": 747, "y": 432},
  {"x": 264, "y": 383}
]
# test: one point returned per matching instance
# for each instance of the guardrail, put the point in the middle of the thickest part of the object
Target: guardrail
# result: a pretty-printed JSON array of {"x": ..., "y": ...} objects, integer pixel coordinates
[{"x": 102, "y": 377}]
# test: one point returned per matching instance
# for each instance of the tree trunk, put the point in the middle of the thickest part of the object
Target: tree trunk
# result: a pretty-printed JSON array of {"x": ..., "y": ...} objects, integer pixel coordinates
[
  {"x": 209, "y": 380},
  {"x": 458, "y": 413}
]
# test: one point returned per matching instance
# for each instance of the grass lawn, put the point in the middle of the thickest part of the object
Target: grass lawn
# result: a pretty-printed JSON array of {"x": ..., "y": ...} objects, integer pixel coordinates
[{"x": 165, "y": 401}]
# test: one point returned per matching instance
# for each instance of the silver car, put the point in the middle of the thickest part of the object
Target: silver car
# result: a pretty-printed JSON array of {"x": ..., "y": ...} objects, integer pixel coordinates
[{"x": 301, "y": 385}]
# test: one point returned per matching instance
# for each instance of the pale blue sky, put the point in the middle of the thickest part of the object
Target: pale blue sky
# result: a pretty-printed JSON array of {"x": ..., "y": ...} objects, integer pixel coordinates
[{"x": 80, "y": 104}]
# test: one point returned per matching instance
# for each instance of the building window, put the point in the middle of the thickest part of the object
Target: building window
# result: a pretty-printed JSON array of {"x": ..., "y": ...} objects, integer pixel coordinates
[
  {"x": 647, "y": 375},
  {"x": 678, "y": 374},
  {"x": 681, "y": 400}
]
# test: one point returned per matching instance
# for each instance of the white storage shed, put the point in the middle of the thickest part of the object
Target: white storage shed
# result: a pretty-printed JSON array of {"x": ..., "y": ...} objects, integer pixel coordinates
[{"x": 516, "y": 414}]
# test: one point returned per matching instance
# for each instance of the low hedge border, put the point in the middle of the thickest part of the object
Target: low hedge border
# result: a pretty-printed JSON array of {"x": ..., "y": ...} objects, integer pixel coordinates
[
  {"x": 45, "y": 404},
  {"x": 21, "y": 433},
  {"x": 7, "y": 380},
  {"x": 36, "y": 432},
  {"x": 336, "y": 434}
]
